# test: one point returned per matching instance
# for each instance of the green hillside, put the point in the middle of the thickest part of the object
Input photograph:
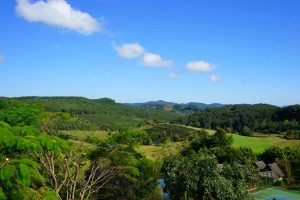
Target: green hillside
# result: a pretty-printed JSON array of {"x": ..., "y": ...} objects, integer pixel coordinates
[
  {"x": 103, "y": 113},
  {"x": 247, "y": 119}
]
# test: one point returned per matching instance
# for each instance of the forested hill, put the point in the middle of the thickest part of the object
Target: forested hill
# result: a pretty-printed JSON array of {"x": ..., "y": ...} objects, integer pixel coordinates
[
  {"x": 102, "y": 113},
  {"x": 176, "y": 107},
  {"x": 247, "y": 118}
]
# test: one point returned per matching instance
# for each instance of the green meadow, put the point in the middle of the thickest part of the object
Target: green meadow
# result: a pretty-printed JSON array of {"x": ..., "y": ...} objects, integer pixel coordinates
[{"x": 259, "y": 144}]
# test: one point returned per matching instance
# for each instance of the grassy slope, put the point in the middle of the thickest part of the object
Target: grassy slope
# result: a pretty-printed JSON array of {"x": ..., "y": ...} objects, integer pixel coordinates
[
  {"x": 259, "y": 144},
  {"x": 160, "y": 152},
  {"x": 82, "y": 135}
]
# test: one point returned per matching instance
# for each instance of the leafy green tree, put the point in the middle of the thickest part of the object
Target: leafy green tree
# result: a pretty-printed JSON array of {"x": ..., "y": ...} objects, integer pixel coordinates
[
  {"x": 244, "y": 176},
  {"x": 176, "y": 137},
  {"x": 220, "y": 139},
  {"x": 199, "y": 177},
  {"x": 131, "y": 137},
  {"x": 137, "y": 176},
  {"x": 246, "y": 131}
]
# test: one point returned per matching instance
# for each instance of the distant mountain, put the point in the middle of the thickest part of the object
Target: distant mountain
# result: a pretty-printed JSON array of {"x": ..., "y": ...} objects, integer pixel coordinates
[{"x": 176, "y": 107}]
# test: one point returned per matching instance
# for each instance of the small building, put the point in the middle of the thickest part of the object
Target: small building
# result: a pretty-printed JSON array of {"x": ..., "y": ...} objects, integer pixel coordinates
[
  {"x": 272, "y": 170},
  {"x": 261, "y": 165}
]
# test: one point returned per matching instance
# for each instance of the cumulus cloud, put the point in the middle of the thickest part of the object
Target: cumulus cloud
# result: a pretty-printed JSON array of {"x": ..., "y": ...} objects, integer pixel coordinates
[
  {"x": 2, "y": 58},
  {"x": 130, "y": 50},
  {"x": 135, "y": 50},
  {"x": 214, "y": 78},
  {"x": 58, "y": 13},
  {"x": 154, "y": 60},
  {"x": 199, "y": 66}
]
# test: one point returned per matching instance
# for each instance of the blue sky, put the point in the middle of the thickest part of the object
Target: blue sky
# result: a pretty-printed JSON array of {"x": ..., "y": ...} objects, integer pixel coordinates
[{"x": 133, "y": 51}]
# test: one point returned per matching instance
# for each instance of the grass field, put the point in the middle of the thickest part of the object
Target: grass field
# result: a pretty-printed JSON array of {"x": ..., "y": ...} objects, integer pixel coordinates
[
  {"x": 82, "y": 135},
  {"x": 210, "y": 131},
  {"x": 83, "y": 146},
  {"x": 259, "y": 144},
  {"x": 276, "y": 193},
  {"x": 159, "y": 152}
]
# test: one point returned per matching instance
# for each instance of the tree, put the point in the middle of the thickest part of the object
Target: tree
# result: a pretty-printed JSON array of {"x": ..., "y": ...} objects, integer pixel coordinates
[
  {"x": 176, "y": 137},
  {"x": 241, "y": 175},
  {"x": 131, "y": 137},
  {"x": 69, "y": 177},
  {"x": 137, "y": 176},
  {"x": 199, "y": 177},
  {"x": 220, "y": 139},
  {"x": 246, "y": 131}
]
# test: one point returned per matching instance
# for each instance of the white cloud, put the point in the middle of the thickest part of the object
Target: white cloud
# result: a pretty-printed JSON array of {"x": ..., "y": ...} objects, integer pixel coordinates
[
  {"x": 135, "y": 50},
  {"x": 214, "y": 78},
  {"x": 2, "y": 58},
  {"x": 58, "y": 13},
  {"x": 154, "y": 60},
  {"x": 130, "y": 50},
  {"x": 172, "y": 75},
  {"x": 199, "y": 66}
]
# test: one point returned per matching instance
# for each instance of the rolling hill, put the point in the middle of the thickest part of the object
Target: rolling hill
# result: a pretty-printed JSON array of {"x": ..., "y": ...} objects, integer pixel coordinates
[{"x": 103, "y": 113}]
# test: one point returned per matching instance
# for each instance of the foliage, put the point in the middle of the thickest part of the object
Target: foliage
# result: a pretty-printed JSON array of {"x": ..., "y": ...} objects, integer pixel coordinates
[
  {"x": 246, "y": 118},
  {"x": 131, "y": 137},
  {"x": 292, "y": 134},
  {"x": 54, "y": 121},
  {"x": 288, "y": 159},
  {"x": 204, "y": 140},
  {"x": 137, "y": 177},
  {"x": 160, "y": 132},
  {"x": 19, "y": 136},
  {"x": 101, "y": 113},
  {"x": 230, "y": 155},
  {"x": 199, "y": 177}
]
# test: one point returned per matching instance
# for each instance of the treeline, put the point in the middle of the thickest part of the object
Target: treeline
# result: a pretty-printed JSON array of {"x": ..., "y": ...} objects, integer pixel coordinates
[
  {"x": 104, "y": 114},
  {"x": 245, "y": 119}
]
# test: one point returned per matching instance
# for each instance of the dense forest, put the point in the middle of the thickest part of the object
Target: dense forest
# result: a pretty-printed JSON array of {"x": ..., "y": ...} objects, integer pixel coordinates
[
  {"x": 103, "y": 113},
  {"x": 38, "y": 162},
  {"x": 246, "y": 119}
]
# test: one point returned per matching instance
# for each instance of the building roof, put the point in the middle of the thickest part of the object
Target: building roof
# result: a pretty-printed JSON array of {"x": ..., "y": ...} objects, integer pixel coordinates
[
  {"x": 276, "y": 169},
  {"x": 273, "y": 171},
  {"x": 260, "y": 165},
  {"x": 269, "y": 174}
]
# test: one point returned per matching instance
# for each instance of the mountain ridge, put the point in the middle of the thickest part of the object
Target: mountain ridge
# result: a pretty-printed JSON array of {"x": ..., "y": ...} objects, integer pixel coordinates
[{"x": 176, "y": 107}]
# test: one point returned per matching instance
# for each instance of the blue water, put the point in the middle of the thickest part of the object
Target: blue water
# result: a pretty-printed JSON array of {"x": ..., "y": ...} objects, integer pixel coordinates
[
  {"x": 279, "y": 197},
  {"x": 162, "y": 185}
]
